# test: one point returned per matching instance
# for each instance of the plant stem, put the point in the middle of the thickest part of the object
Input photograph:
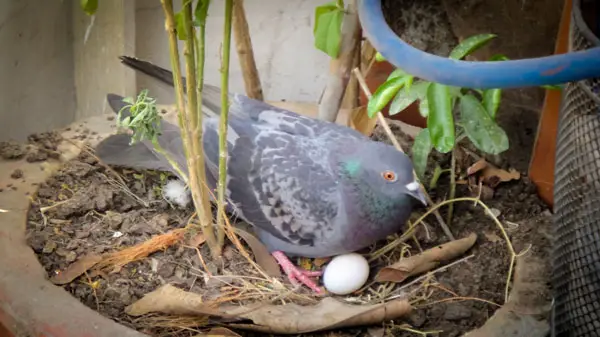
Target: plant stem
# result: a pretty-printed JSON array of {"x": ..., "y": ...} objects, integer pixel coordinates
[
  {"x": 223, "y": 121},
  {"x": 172, "y": 162},
  {"x": 192, "y": 145},
  {"x": 452, "y": 185},
  {"x": 196, "y": 157}
]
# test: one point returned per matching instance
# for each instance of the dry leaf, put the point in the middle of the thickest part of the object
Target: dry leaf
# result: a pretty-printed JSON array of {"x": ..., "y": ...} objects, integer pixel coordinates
[
  {"x": 220, "y": 331},
  {"x": 269, "y": 318},
  {"x": 493, "y": 176},
  {"x": 169, "y": 299},
  {"x": 360, "y": 121},
  {"x": 478, "y": 166},
  {"x": 263, "y": 258},
  {"x": 320, "y": 261},
  {"x": 425, "y": 261},
  {"x": 197, "y": 240},
  {"x": 76, "y": 269},
  {"x": 326, "y": 315}
]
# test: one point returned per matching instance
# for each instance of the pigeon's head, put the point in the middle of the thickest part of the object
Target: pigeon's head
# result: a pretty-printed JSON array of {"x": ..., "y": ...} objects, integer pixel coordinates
[{"x": 380, "y": 177}]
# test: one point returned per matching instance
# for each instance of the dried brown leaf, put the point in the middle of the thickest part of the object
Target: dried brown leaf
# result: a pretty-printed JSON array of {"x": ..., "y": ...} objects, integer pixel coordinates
[
  {"x": 360, "y": 121},
  {"x": 478, "y": 166},
  {"x": 425, "y": 261},
  {"x": 171, "y": 300},
  {"x": 261, "y": 254},
  {"x": 76, "y": 269},
  {"x": 326, "y": 315},
  {"x": 269, "y": 318},
  {"x": 197, "y": 240},
  {"x": 493, "y": 175},
  {"x": 220, "y": 331}
]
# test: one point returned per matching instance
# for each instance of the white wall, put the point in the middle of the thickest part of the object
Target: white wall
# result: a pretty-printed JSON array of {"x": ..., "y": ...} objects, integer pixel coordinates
[
  {"x": 50, "y": 77},
  {"x": 289, "y": 65},
  {"x": 36, "y": 67}
]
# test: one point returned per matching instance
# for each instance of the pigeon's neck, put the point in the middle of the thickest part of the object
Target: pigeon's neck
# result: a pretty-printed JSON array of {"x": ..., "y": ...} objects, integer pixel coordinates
[
  {"x": 371, "y": 207},
  {"x": 366, "y": 204}
]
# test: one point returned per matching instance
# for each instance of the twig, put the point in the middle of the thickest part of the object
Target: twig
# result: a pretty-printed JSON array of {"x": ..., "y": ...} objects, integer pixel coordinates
[
  {"x": 243, "y": 44},
  {"x": 512, "y": 252},
  {"x": 386, "y": 127},
  {"x": 452, "y": 185},
  {"x": 340, "y": 68}
]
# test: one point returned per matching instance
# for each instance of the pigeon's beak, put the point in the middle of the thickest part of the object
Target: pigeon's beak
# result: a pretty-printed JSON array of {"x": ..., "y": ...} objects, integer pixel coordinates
[{"x": 414, "y": 190}]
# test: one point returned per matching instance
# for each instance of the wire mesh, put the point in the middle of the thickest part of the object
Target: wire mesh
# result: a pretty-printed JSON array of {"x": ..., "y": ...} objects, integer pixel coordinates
[{"x": 576, "y": 253}]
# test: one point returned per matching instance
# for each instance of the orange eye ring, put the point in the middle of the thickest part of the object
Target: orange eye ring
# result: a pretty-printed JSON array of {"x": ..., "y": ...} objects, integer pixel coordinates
[{"x": 389, "y": 176}]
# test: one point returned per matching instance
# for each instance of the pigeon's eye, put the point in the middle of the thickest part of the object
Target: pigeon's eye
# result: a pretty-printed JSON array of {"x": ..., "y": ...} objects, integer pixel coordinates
[{"x": 389, "y": 176}]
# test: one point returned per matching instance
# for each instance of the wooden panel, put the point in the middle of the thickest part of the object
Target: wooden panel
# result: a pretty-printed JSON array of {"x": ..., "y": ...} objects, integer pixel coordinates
[{"x": 541, "y": 167}]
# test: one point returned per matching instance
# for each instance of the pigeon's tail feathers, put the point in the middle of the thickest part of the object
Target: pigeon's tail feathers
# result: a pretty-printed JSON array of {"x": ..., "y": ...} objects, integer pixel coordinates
[
  {"x": 115, "y": 150},
  {"x": 211, "y": 95},
  {"x": 150, "y": 69}
]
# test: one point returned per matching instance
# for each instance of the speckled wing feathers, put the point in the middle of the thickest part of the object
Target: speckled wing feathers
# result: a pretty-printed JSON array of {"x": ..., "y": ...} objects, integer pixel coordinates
[{"x": 279, "y": 176}]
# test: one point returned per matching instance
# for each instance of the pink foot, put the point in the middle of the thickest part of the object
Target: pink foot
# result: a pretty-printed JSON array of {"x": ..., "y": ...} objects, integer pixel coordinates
[{"x": 296, "y": 274}]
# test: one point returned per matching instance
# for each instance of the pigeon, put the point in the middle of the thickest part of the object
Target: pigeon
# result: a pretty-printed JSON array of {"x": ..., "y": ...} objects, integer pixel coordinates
[{"x": 308, "y": 187}]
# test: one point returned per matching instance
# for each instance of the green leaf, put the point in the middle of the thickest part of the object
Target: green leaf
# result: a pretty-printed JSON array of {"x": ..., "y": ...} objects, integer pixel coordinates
[
  {"x": 404, "y": 98},
  {"x": 424, "y": 108},
  {"x": 180, "y": 25},
  {"x": 469, "y": 45},
  {"x": 379, "y": 57},
  {"x": 440, "y": 120},
  {"x": 384, "y": 94},
  {"x": 499, "y": 57},
  {"x": 396, "y": 73},
  {"x": 481, "y": 129},
  {"x": 328, "y": 28},
  {"x": 491, "y": 101},
  {"x": 420, "y": 152},
  {"x": 89, "y": 6},
  {"x": 201, "y": 12}
]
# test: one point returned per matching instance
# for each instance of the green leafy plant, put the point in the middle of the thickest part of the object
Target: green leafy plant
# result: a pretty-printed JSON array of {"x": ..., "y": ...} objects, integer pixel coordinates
[
  {"x": 328, "y": 27},
  {"x": 476, "y": 109}
]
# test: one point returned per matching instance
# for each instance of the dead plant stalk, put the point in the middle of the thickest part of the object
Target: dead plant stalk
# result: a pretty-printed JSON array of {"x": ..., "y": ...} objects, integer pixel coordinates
[{"x": 190, "y": 119}]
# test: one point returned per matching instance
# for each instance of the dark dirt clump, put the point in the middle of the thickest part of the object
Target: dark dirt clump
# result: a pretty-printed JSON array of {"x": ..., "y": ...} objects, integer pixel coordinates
[
  {"x": 12, "y": 150},
  {"x": 41, "y": 146},
  {"x": 17, "y": 174}
]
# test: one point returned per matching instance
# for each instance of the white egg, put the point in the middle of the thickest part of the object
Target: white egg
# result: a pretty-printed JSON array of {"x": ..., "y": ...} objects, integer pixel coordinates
[{"x": 346, "y": 273}]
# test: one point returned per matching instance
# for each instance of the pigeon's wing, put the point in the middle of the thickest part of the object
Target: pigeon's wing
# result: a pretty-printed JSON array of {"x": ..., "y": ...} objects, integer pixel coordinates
[
  {"x": 115, "y": 150},
  {"x": 279, "y": 176}
]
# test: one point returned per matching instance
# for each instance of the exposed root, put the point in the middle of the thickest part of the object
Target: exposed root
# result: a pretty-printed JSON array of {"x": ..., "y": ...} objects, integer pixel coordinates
[{"x": 140, "y": 251}]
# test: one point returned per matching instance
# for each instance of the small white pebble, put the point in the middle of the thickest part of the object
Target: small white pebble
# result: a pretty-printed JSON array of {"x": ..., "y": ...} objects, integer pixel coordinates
[
  {"x": 495, "y": 212},
  {"x": 176, "y": 192},
  {"x": 117, "y": 234},
  {"x": 346, "y": 273}
]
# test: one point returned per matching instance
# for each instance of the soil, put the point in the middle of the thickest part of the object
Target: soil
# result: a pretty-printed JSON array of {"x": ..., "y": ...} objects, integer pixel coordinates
[{"x": 88, "y": 211}]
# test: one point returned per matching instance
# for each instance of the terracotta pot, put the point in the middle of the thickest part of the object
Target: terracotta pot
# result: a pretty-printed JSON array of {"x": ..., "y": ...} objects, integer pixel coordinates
[
  {"x": 29, "y": 304},
  {"x": 377, "y": 76},
  {"x": 541, "y": 166}
]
